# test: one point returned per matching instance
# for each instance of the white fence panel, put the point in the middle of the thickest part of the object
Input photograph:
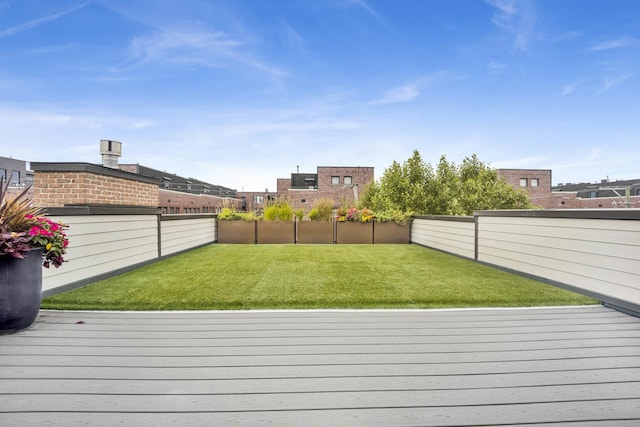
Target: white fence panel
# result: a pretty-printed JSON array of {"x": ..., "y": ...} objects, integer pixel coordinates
[
  {"x": 456, "y": 237},
  {"x": 597, "y": 255},
  {"x": 181, "y": 234},
  {"x": 99, "y": 244}
]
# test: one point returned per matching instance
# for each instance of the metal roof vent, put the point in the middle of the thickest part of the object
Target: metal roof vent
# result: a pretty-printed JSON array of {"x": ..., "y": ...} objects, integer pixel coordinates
[{"x": 110, "y": 151}]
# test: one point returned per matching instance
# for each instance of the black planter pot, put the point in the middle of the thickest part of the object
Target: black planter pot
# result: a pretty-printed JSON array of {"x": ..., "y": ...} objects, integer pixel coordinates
[{"x": 20, "y": 291}]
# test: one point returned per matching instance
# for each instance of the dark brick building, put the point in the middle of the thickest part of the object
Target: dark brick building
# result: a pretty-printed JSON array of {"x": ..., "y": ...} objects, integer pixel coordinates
[
  {"x": 342, "y": 184},
  {"x": 606, "y": 194}
]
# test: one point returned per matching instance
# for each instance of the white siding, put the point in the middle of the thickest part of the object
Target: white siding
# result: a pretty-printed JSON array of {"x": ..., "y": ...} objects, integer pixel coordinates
[
  {"x": 455, "y": 237},
  {"x": 598, "y": 255},
  {"x": 182, "y": 234},
  {"x": 102, "y": 243}
]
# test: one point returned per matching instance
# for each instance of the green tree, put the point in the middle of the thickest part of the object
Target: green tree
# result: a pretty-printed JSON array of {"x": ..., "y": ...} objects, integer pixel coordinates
[{"x": 415, "y": 187}]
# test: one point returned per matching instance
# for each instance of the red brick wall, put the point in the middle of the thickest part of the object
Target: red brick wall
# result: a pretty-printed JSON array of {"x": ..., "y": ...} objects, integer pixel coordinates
[
  {"x": 360, "y": 176},
  {"x": 174, "y": 202},
  {"x": 283, "y": 184},
  {"x": 568, "y": 200},
  {"x": 513, "y": 176},
  {"x": 54, "y": 189}
]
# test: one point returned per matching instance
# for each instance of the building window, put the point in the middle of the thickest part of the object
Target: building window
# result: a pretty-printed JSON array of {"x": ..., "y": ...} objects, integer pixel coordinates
[
  {"x": 15, "y": 178},
  {"x": 335, "y": 180},
  {"x": 347, "y": 180},
  {"x": 3, "y": 174},
  {"x": 164, "y": 210},
  {"x": 535, "y": 182},
  {"x": 303, "y": 201},
  {"x": 593, "y": 194},
  {"x": 523, "y": 182},
  {"x": 258, "y": 199}
]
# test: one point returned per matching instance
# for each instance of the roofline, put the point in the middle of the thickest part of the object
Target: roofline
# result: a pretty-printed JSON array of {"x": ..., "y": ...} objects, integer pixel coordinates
[{"x": 91, "y": 168}]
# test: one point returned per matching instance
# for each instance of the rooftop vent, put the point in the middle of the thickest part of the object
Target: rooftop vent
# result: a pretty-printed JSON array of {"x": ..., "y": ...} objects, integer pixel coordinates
[{"x": 110, "y": 151}]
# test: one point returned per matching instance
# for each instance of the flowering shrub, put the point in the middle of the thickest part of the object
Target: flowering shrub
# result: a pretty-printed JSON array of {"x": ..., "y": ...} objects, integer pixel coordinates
[
  {"x": 354, "y": 215},
  {"x": 23, "y": 228},
  {"x": 51, "y": 236}
]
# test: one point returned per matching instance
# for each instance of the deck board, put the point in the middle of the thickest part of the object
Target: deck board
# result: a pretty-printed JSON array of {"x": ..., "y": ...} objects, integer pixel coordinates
[{"x": 571, "y": 365}]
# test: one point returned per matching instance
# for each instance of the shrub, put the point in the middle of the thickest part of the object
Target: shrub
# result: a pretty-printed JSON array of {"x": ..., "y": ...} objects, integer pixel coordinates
[
  {"x": 322, "y": 210},
  {"x": 231, "y": 214},
  {"x": 271, "y": 213},
  {"x": 278, "y": 210},
  {"x": 397, "y": 216}
]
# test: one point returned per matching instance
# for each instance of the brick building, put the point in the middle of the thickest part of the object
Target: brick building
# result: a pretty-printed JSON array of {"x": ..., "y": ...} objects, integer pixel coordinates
[
  {"x": 537, "y": 184},
  {"x": 15, "y": 173},
  {"x": 339, "y": 183},
  {"x": 65, "y": 184},
  {"x": 605, "y": 194},
  {"x": 180, "y": 195}
]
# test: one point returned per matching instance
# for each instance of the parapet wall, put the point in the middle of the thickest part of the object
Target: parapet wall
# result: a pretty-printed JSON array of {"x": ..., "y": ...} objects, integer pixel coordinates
[
  {"x": 64, "y": 184},
  {"x": 591, "y": 251}
]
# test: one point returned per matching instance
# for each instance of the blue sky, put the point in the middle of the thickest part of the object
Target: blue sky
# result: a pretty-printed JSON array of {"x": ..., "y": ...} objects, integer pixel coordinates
[{"x": 241, "y": 92}]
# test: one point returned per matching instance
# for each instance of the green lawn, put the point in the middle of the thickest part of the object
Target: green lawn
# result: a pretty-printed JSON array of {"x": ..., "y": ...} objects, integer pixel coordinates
[{"x": 312, "y": 276}]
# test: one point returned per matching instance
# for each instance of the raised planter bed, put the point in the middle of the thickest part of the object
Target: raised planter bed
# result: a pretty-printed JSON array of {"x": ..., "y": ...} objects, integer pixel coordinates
[
  {"x": 315, "y": 232},
  {"x": 237, "y": 232},
  {"x": 354, "y": 232},
  {"x": 276, "y": 232},
  {"x": 390, "y": 232}
]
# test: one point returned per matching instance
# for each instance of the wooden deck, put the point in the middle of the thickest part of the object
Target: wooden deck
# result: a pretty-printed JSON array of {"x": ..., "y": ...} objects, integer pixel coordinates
[{"x": 571, "y": 366}]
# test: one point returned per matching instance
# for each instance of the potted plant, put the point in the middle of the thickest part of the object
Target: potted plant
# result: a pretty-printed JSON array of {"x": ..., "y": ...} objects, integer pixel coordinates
[
  {"x": 28, "y": 242},
  {"x": 319, "y": 228},
  {"x": 354, "y": 225}
]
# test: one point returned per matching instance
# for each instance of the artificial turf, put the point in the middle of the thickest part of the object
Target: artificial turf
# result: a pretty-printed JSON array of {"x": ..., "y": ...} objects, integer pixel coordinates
[{"x": 225, "y": 277}]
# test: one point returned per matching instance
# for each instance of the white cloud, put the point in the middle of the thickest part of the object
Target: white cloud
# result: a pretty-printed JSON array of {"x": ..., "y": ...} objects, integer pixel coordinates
[
  {"x": 292, "y": 37},
  {"x": 613, "y": 44},
  {"x": 516, "y": 17},
  {"x": 413, "y": 90},
  {"x": 611, "y": 82},
  {"x": 399, "y": 94},
  {"x": 141, "y": 124},
  {"x": 193, "y": 46},
  {"x": 183, "y": 45},
  {"x": 37, "y": 22},
  {"x": 364, "y": 5},
  {"x": 497, "y": 67},
  {"x": 568, "y": 89}
]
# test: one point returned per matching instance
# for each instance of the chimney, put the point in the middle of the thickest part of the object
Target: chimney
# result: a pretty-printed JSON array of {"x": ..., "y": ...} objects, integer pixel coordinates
[{"x": 110, "y": 151}]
